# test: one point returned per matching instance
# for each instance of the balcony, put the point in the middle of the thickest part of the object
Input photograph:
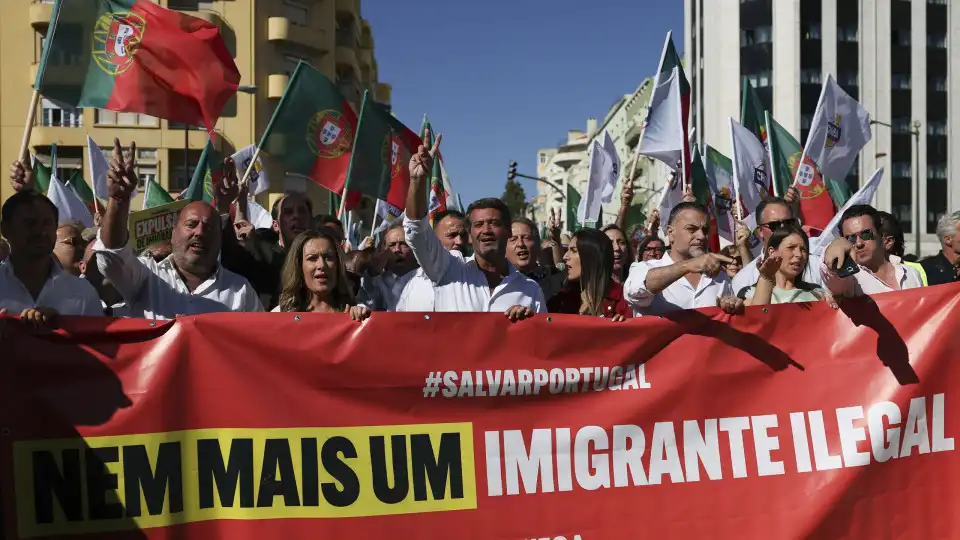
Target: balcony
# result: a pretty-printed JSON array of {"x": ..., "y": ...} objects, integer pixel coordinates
[
  {"x": 351, "y": 7},
  {"x": 276, "y": 85},
  {"x": 40, "y": 16},
  {"x": 346, "y": 57},
  {"x": 365, "y": 57},
  {"x": 568, "y": 158},
  {"x": 280, "y": 29}
]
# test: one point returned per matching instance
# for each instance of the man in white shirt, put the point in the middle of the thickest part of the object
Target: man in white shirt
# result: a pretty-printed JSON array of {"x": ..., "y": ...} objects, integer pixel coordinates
[
  {"x": 772, "y": 214},
  {"x": 388, "y": 272},
  {"x": 32, "y": 279},
  {"x": 451, "y": 230},
  {"x": 188, "y": 282},
  {"x": 687, "y": 277},
  {"x": 862, "y": 240},
  {"x": 486, "y": 282}
]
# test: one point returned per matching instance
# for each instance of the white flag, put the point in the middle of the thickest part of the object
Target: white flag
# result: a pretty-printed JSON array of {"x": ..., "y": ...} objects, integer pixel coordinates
[
  {"x": 662, "y": 136},
  {"x": 671, "y": 196},
  {"x": 863, "y": 196},
  {"x": 69, "y": 206},
  {"x": 602, "y": 172},
  {"x": 840, "y": 129},
  {"x": 388, "y": 214},
  {"x": 719, "y": 171},
  {"x": 258, "y": 215},
  {"x": 610, "y": 150},
  {"x": 98, "y": 169},
  {"x": 258, "y": 181},
  {"x": 749, "y": 168}
]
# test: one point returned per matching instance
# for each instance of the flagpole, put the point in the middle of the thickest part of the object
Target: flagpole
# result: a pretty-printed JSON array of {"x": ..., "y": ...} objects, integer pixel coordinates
[
  {"x": 816, "y": 115},
  {"x": 353, "y": 155},
  {"x": 736, "y": 175},
  {"x": 376, "y": 212},
  {"x": 684, "y": 149},
  {"x": 773, "y": 170}
]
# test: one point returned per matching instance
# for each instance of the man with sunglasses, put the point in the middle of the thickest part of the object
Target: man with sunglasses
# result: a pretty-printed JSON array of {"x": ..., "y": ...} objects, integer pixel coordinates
[
  {"x": 861, "y": 239},
  {"x": 772, "y": 214}
]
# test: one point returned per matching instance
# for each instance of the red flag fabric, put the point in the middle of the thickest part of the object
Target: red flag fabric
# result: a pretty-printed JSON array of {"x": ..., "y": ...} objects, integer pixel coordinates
[{"x": 691, "y": 425}]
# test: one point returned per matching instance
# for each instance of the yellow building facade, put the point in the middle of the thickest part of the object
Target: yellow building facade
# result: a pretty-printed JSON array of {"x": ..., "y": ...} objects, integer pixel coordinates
[{"x": 266, "y": 37}]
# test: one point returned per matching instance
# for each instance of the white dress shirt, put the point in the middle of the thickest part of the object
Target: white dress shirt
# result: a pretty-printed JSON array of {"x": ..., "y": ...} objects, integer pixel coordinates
[
  {"x": 681, "y": 294},
  {"x": 749, "y": 274},
  {"x": 866, "y": 282},
  {"x": 460, "y": 283},
  {"x": 155, "y": 290},
  {"x": 418, "y": 295},
  {"x": 384, "y": 290},
  {"x": 63, "y": 292}
]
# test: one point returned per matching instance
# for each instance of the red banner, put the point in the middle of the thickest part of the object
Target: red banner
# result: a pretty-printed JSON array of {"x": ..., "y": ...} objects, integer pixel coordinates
[{"x": 791, "y": 421}]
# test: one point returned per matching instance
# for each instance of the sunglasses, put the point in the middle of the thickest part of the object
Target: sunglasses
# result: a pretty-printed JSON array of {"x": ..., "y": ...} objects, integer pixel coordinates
[
  {"x": 779, "y": 224},
  {"x": 866, "y": 235}
]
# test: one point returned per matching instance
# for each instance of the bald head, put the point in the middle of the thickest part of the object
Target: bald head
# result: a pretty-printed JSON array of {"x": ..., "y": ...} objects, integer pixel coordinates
[{"x": 196, "y": 239}]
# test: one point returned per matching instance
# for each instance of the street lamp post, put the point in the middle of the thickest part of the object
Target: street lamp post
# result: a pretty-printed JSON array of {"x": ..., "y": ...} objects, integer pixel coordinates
[{"x": 916, "y": 179}]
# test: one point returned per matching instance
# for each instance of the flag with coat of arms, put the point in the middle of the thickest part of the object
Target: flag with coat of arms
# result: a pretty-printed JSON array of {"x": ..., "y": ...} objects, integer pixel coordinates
[
  {"x": 840, "y": 129},
  {"x": 664, "y": 136}
]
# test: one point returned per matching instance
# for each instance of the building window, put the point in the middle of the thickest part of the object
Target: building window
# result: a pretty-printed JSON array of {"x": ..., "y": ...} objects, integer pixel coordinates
[
  {"x": 543, "y": 158},
  {"x": 900, "y": 82},
  {"x": 758, "y": 80},
  {"x": 848, "y": 34},
  {"x": 53, "y": 116},
  {"x": 900, "y": 126},
  {"x": 810, "y": 76},
  {"x": 812, "y": 31},
  {"x": 297, "y": 13},
  {"x": 147, "y": 173},
  {"x": 849, "y": 78},
  {"x": 938, "y": 84},
  {"x": 900, "y": 36},
  {"x": 901, "y": 169},
  {"x": 935, "y": 2},
  {"x": 937, "y": 41},
  {"x": 937, "y": 128},
  {"x": 937, "y": 171},
  {"x": 112, "y": 118},
  {"x": 805, "y": 121},
  {"x": 754, "y": 36}
]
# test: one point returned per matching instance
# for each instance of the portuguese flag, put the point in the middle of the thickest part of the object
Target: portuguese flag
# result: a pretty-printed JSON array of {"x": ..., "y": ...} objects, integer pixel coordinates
[
  {"x": 207, "y": 174},
  {"x": 379, "y": 166},
  {"x": 700, "y": 185},
  {"x": 83, "y": 191},
  {"x": 573, "y": 202},
  {"x": 154, "y": 195},
  {"x": 436, "y": 195},
  {"x": 135, "y": 56},
  {"x": 816, "y": 206},
  {"x": 312, "y": 129},
  {"x": 752, "y": 111},
  {"x": 41, "y": 176}
]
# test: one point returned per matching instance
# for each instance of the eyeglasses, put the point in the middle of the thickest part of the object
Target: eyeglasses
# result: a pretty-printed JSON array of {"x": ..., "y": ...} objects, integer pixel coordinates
[
  {"x": 654, "y": 249},
  {"x": 779, "y": 224},
  {"x": 866, "y": 235}
]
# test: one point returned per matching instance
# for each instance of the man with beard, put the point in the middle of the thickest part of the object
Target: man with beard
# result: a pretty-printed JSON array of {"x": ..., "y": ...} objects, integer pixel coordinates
[
  {"x": 188, "y": 282},
  {"x": 486, "y": 282},
  {"x": 687, "y": 277},
  {"x": 861, "y": 239},
  {"x": 388, "y": 272},
  {"x": 524, "y": 252},
  {"x": 451, "y": 230}
]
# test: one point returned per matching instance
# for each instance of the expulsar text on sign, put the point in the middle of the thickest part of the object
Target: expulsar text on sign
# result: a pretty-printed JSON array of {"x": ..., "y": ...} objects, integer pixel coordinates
[{"x": 533, "y": 382}]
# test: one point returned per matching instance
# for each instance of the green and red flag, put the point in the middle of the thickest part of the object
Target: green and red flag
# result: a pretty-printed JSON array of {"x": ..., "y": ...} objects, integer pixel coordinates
[
  {"x": 154, "y": 195},
  {"x": 206, "y": 176},
  {"x": 573, "y": 202},
  {"x": 436, "y": 195},
  {"x": 700, "y": 185},
  {"x": 135, "y": 56},
  {"x": 816, "y": 206},
  {"x": 312, "y": 129},
  {"x": 379, "y": 166},
  {"x": 83, "y": 191},
  {"x": 41, "y": 176}
]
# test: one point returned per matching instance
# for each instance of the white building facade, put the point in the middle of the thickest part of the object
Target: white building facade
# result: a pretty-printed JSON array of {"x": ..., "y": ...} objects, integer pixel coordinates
[
  {"x": 569, "y": 163},
  {"x": 895, "y": 56}
]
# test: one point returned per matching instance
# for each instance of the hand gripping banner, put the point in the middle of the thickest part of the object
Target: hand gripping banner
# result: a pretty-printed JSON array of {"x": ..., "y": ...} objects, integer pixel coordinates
[{"x": 792, "y": 421}]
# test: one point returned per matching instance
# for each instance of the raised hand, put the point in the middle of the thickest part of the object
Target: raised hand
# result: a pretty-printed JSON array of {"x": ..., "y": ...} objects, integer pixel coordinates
[
  {"x": 243, "y": 230},
  {"x": 653, "y": 224},
  {"x": 122, "y": 180},
  {"x": 792, "y": 195},
  {"x": 421, "y": 163},
  {"x": 626, "y": 193},
  {"x": 229, "y": 186},
  {"x": 836, "y": 253},
  {"x": 21, "y": 178},
  {"x": 555, "y": 223},
  {"x": 742, "y": 236},
  {"x": 769, "y": 267}
]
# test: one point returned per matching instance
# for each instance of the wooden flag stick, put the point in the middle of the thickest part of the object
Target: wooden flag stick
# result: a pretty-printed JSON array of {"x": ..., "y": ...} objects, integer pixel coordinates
[
  {"x": 24, "y": 155},
  {"x": 253, "y": 164}
]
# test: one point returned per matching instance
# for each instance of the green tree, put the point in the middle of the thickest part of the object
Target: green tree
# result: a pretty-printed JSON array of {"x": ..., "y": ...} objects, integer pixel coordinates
[{"x": 515, "y": 198}]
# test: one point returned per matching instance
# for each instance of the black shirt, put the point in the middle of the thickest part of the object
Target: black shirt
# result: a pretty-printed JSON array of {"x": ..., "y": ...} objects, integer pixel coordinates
[{"x": 939, "y": 270}]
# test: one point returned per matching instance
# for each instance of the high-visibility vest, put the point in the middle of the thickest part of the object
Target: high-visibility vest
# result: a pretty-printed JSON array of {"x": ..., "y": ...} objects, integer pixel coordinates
[{"x": 919, "y": 267}]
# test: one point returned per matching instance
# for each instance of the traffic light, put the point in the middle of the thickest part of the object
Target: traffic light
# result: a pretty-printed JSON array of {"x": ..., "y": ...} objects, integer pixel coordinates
[{"x": 512, "y": 170}]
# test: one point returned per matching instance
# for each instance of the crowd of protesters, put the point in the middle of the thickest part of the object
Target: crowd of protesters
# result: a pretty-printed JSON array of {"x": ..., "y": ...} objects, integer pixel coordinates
[{"x": 482, "y": 260}]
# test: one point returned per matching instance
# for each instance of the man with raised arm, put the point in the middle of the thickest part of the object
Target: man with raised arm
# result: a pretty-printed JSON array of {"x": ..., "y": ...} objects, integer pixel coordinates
[
  {"x": 190, "y": 281},
  {"x": 486, "y": 282}
]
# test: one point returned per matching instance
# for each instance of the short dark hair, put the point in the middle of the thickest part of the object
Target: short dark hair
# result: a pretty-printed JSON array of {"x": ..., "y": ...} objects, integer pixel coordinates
[
  {"x": 533, "y": 229},
  {"x": 443, "y": 214},
  {"x": 275, "y": 209},
  {"x": 685, "y": 206},
  {"x": 765, "y": 202},
  {"x": 889, "y": 226},
  {"x": 861, "y": 210},
  {"x": 23, "y": 198},
  {"x": 323, "y": 219},
  {"x": 494, "y": 203}
]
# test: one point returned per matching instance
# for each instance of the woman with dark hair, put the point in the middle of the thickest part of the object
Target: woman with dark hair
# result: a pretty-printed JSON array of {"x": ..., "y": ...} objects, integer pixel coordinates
[
  {"x": 314, "y": 277},
  {"x": 622, "y": 256},
  {"x": 590, "y": 288},
  {"x": 781, "y": 272},
  {"x": 651, "y": 247}
]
